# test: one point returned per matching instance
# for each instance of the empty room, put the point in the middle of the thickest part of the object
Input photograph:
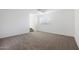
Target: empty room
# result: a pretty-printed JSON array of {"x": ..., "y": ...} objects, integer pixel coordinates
[{"x": 39, "y": 29}]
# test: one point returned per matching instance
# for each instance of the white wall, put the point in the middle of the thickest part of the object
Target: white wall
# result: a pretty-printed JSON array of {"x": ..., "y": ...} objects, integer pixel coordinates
[
  {"x": 77, "y": 26},
  {"x": 33, "y": 21},
  {"x": 13, "y": 22},
  {"x": 61, "y": 22}
]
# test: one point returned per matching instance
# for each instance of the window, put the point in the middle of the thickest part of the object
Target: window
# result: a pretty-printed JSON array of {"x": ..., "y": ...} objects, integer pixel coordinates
[{"x": 43, "y": 19}]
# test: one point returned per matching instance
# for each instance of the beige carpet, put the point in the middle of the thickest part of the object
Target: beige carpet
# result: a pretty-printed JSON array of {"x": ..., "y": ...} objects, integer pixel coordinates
[{"x": 38, "y": 41}]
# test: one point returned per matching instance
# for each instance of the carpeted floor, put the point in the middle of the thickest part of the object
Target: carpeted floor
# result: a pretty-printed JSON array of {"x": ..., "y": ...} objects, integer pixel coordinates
[{"x": 38, "y": 41}]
